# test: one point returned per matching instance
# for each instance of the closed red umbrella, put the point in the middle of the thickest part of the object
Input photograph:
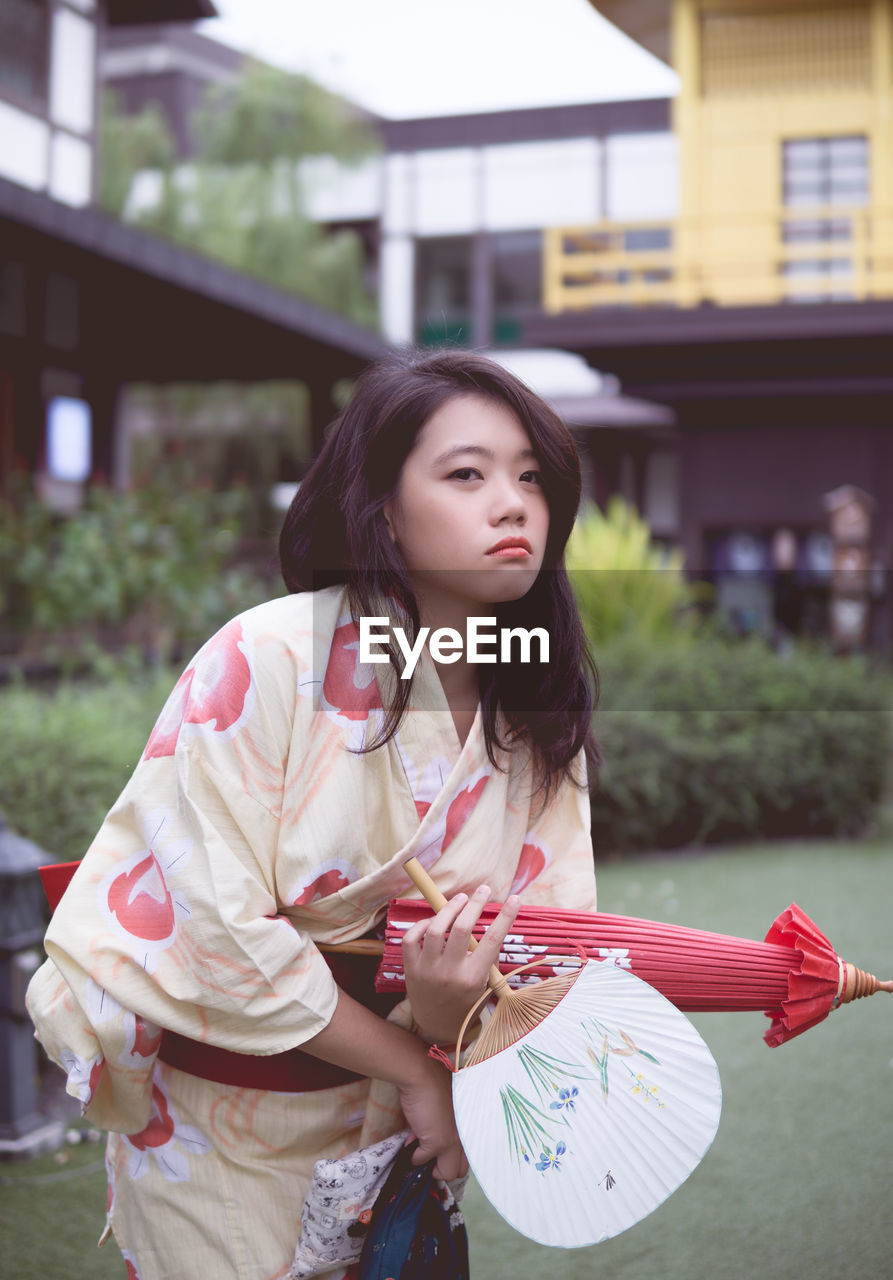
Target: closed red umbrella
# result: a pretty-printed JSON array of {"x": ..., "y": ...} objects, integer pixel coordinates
[{"x": 795, "y": 976}]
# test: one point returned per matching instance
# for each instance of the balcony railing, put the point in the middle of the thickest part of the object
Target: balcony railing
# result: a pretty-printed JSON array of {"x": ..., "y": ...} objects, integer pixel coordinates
[{"x": 788, "y": 254}]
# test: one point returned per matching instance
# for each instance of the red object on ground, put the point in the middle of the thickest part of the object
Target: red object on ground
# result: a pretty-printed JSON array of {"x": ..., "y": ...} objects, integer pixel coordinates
[{"x": 794, "y": 976}]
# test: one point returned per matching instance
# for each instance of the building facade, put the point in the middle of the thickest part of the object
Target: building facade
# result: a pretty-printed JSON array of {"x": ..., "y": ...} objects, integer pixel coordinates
[
  {"x": 87, "y": 304},
  {"x": 762, "y": 313}
]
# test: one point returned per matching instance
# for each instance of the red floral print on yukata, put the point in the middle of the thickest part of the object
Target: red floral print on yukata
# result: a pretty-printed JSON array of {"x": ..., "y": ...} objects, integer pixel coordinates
[
  {"x": 130, "y": 1264},
  {"x": 532, "y": 863},
  {"x": 462, "y": 807},
  {"x": 332, "y": 875},
  {"x": 349, "y": 689},
  {"x": 137, "y": 899},
  {"x": 141, "y": 902},
  {"x": 164, "y": 1139},
  {"x": 213, "y": 692}
]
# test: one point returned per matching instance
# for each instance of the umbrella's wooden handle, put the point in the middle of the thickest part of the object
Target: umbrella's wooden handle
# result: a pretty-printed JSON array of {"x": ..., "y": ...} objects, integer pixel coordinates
[
  {"x": 435, "y": 899},
  {"x": 859, "y": 984},
  {"x": 429, "y": 890},
  {"x": 359, "y": 947},
  {"x": 425, "y": 885}
]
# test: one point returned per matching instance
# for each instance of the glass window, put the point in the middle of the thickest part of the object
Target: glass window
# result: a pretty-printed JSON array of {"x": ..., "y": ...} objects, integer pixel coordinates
[
  {"x": 68, "y": 439},
  {"x": 819, "y": 172},
  {"x": 443, "y": 289},
  {"x": 825, "y": 171},
  {"x": 517, "y": 269},
  {"x": 25, "y": 52}
]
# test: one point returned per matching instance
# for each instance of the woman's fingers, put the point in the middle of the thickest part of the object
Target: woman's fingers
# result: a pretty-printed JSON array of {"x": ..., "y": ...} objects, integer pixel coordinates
[
  {"x": 461, "y": 932},
  {"x": 448, "y": 933},
  {"x": 490, "y": 945},
  {"x": 431, "y": 932}
]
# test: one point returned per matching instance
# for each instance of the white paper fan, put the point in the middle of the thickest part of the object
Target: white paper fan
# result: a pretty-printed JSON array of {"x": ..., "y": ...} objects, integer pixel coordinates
[{"x": 586, "y": 1124}]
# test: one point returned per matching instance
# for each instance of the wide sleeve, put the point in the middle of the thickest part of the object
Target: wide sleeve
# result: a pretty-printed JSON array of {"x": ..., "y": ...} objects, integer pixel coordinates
[
  {"x": 556, "y": 866},
  {"x": 171, "y": 920}
]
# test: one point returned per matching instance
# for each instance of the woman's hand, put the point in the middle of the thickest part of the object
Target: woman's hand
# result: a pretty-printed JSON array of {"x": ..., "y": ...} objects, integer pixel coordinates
[
  {"x": 358, "y": 1039},
  {"x": 427, "y": 1103},
  {"x": 444, "y": 978}
]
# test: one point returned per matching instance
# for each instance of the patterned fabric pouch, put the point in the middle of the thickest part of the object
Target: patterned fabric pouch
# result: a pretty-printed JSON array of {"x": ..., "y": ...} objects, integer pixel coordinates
[
  {"x": 417, "y": 1231},
  {"x": 338, "y": 1208}
]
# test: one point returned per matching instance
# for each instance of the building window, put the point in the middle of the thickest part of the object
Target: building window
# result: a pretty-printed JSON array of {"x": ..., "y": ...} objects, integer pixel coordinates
[
  {"x": 443, "y": 290},
  {"x": 818, "y": 173},
  {"x": 822, "y": 171},
  {"x": 517, "y": 275},
  {"x": 69, "y": 432},
  {"x": 25, "y": 53},
  {"x": 513, "y": 264}
]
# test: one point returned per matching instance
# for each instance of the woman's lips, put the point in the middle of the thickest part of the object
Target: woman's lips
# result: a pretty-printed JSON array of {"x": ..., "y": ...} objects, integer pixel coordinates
[
  {"x": 510, "y": 553},
  {"x": 511, "y": 548}
]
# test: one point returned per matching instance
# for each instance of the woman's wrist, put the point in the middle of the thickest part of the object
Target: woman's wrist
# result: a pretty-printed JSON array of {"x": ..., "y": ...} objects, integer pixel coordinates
[{"x": 361, "y": 1041}]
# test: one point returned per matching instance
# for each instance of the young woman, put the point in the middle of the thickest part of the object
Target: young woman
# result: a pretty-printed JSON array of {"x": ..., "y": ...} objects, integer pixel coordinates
[{"x": 281, "y": 792}]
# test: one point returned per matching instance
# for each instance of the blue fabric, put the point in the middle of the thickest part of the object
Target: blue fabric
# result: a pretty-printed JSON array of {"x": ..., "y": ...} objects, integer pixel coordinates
[{"x": 412, "y": 1236}]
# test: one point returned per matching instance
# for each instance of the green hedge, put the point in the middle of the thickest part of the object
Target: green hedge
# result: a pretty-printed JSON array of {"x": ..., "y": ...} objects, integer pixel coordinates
[
  {"x": 65, "y": 755},
  {"x": 703, "y": 743},
  {"x": 710, "y": 741},
  {"x": 153, "y": 569}
]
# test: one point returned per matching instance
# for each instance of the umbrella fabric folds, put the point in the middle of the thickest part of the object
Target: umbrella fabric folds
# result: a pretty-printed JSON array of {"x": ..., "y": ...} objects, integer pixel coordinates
[{"x": 794, "y": 976}]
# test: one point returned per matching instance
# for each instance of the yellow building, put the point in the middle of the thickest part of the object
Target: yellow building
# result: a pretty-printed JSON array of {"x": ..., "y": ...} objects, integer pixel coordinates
[
  {"x": 761, "y": 312},
  {"x": 784, "y": 125}
]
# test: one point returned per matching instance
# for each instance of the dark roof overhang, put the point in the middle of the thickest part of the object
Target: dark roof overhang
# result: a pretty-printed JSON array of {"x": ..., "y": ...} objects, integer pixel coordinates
[
  {"x": 161, "y": 312},
  {"x": 671, "y": 354},
  {"x": 122, "y": 13}
]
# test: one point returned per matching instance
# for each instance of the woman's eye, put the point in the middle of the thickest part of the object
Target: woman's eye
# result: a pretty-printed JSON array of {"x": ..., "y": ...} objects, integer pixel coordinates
[
  {"x": 464, "y": 473},
  {"x": 533, "y": 477}
]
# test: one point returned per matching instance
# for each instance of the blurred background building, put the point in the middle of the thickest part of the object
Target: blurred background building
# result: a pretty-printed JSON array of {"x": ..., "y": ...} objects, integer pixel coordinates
[
  {"x": 89, "y": 305},
  {"x": 724, "y": 257}
]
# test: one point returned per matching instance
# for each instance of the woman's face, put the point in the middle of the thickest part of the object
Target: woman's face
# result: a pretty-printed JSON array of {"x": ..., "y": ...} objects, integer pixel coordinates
[{"x": 469, "y": 515}]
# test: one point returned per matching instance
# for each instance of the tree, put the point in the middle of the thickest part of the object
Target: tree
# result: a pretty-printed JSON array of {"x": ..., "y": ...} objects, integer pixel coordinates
[
  {"x": 242, "y": 200},
  {"x": 129, "y": 144}
]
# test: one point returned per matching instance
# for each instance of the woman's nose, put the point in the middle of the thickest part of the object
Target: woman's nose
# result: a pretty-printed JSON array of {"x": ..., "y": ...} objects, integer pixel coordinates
[{"x": 509, "y": 504}]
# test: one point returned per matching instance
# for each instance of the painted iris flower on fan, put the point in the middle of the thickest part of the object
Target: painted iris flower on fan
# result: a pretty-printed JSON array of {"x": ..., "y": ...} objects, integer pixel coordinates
[{"x": 530, "y": 1122}]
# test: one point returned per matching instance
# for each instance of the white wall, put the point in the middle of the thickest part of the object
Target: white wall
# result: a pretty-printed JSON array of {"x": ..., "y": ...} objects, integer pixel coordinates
[
  {"x": 397, "y": 288},
  {"x": 52, "y": 151},
  {"x": 529, "y": 185},
  {"x": 24, "y": 150},
  {"x": 71, "y": 168},
  {"x": 538, "y": 184},
  {"x": 336, "y": 192},
  {"x": 643, "y": 176},
  {"x": 72, "y": 71},
  {"x": 447, "y": 191}
]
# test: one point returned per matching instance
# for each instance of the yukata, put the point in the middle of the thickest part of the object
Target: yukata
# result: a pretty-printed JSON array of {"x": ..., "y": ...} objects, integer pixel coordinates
[{"x": 250, "y": 831}]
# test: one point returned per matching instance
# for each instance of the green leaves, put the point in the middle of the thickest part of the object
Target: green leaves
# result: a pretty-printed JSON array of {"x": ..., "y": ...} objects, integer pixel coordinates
[
  {"x": 149, "y": 568},
  {"x": 711, "y": 740},
  {"x": 241, "y": 199},
  {"x": 624, "y": 583}
]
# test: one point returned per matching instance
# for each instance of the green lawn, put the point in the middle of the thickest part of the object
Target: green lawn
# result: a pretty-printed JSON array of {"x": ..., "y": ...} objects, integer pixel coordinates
[{"x": 797, "y": 1183}]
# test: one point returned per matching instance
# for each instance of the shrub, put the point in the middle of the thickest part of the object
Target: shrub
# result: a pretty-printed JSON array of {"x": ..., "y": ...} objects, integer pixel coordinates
[
  {"x": 66, "y": 754},
  {"x": 626, "y": 584},
  {"x": 153, "y": 568},
  {"x": 717, "y": 741}
]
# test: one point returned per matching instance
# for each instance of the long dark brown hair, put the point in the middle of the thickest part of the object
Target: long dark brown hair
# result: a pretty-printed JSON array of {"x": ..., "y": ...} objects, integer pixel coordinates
[{"x": 335, "y": 533}]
